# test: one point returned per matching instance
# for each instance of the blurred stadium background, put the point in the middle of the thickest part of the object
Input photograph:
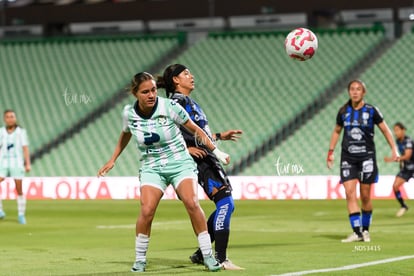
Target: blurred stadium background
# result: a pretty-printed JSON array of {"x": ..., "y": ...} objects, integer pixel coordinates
[{"x": 65, "y": 65}]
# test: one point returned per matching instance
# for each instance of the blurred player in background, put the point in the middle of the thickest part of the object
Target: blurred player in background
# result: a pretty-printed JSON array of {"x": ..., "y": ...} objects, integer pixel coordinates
[
  {"x": 179, "y": 83},
  {"x": 405, "y": 146},
  {"x": 14, "y": 159},
  {"x": 358, "y": 157},
  {"x": 154, "y": 122}
]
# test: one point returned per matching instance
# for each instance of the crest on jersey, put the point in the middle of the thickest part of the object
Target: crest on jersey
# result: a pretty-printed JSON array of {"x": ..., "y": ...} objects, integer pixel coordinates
[
  {"x": 356, "y": 133},
  {"x": 162, "y": 120}
]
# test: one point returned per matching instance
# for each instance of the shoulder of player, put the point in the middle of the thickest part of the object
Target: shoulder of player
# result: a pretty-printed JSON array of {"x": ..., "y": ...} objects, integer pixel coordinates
[{"x": 179, "y": 98}]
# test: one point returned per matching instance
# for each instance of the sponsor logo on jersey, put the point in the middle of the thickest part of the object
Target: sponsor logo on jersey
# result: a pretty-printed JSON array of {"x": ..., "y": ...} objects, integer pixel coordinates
[
  {"x": 356, "y": 133},
  {"x": 357, "y": 149}
]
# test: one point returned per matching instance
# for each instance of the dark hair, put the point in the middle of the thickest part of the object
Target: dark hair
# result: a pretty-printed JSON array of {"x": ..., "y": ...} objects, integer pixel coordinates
[
  {"x": 400, "y": 125},
  {"x": 7, "y": 111},
  {"x": 138, "y": 79},
  {"x": 166, "y": 80}
]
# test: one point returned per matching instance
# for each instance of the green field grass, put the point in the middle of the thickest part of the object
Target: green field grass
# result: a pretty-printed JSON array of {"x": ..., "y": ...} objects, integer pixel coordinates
[{"x": 267, "y": 238}]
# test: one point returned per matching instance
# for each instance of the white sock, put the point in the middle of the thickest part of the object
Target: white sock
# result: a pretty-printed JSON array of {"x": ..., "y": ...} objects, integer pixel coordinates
[
  {"x": 141, "y": 247},
  {"x": 204, "y": 242},
  {"x": 21, "y": 205}
]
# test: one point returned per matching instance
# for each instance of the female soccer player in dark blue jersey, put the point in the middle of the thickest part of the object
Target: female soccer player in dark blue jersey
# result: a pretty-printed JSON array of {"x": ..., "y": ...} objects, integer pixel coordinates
[
  {"x": 358, "y": 158},
  {"x": 405, "y": 146},
  {"x": 179, "y": 83}
]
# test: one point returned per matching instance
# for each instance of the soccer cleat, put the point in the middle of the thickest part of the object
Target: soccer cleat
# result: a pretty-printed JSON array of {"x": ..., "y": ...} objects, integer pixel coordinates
[
  {"x": 402, "y": 211},
  {"x": 197, "y": 257},
  {"x": 365, "y": 236},
  {"x": 211, "y": 263},
  {"x": 228, "y": 265},
  {"x": 353, "y": 238},
  {"x": 2, "y": 214},
  {"x": 21, "y": 219},
  {"x": 139, "y": 266}
]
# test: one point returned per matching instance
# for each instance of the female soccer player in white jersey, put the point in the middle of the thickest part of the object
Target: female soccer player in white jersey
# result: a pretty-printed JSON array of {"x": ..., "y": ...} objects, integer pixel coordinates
[
  {"x": 14, "y": 159},
  {"x": 155, "y": 124},
  {"x": 358, "y": 158}
]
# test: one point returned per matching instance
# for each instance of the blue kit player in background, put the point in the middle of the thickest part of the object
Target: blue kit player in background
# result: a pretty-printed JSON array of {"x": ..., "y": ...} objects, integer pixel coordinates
[
  {"x": 179, "y": 83},
  {"x": 14, "y": 159},
  {"x": 405, "y": 146},
  {"x": 358, "y": 158}
]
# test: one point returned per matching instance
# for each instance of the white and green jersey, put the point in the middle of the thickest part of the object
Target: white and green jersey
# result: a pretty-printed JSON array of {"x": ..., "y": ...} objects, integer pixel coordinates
[
  {"x": 11, "y": 147},
  {"x": 158, "y": 137}
]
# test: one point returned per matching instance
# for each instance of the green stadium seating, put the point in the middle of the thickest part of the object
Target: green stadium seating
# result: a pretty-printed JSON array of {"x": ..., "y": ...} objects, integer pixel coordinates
[
  {"x": 389, "y": 88},
  {"x": 244, "y": 82},
  {"x": 35, "y": 76}
]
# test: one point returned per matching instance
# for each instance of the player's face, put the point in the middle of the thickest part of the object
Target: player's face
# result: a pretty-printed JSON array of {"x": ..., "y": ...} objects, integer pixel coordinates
[
  {"x": 147, "y": 94},
  {"x": 356, "y": 92},
  {"x": 399, "y": 132},
  {"x": 185, "y": 80},
  {"x": 10, "y": 119}
]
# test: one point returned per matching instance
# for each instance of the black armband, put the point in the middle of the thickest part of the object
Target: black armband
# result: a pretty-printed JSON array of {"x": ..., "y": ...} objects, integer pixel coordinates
[{"x": 218, "y": 136}]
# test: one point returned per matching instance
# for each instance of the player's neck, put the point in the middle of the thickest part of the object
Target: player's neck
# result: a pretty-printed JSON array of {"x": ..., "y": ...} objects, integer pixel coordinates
[
  {"x": 185, "y": 92},
  {"x": 10, "y": 129},
  {"x": 358, "y": 105}
]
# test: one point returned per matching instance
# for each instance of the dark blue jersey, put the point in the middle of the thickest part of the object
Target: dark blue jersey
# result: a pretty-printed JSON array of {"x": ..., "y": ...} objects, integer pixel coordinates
[
  {"x": 197, "y": 115},
  {"x": 358, "y": 125},
  {"x": 406, "y": 143}
]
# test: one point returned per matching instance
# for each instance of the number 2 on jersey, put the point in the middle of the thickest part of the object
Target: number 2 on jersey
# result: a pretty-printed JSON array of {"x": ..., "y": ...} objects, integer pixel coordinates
[{"x": 151, "y": 138}]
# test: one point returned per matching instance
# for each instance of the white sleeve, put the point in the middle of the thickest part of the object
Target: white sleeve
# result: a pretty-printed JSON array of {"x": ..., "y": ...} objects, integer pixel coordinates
[
  {"x": 125, "y": 127},
  {"x": 25, "y": 140}
]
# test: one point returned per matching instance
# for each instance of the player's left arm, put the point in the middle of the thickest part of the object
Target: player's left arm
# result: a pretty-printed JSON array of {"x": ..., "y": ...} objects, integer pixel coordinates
[
  {"x": 203, "y": 138},
  {"x": 231, "y": 134},
  {"x": 26, "y": 156},
  {"x": 390, "y": 140}
]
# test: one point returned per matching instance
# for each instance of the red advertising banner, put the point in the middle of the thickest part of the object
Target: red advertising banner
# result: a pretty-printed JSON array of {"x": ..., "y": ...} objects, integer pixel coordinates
[{"x": 244, "y": 188}]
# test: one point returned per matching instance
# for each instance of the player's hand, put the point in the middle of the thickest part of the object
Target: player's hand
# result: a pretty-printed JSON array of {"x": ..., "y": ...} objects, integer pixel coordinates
[
  {"x": 106, "y": 168},
  {"x": 330, "y": 159},
  {"x": 388, "y": 159},
  {"x": 197, "y": 152},
  {"x": 222, "y": 156},
  {"x": 27, "y": 168},
  {"x": 395, "y": 156},
  {"x": 232, "y": 134}
]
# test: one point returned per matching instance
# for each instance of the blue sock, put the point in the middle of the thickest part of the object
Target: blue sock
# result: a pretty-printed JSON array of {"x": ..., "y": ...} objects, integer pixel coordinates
[
  {"x": 366, "y": 219},
  {"x": 355, "y": 220}
]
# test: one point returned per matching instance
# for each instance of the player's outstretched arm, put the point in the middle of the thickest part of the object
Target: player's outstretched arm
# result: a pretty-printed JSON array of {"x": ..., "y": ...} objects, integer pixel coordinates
[
  {"x": 122, "y": 143},
  {"x": 332, "y": 144},
  {"x": 395, "y": 156},
  {"x": 203, "y": 138},
  {"x": 231, "y": 134}
]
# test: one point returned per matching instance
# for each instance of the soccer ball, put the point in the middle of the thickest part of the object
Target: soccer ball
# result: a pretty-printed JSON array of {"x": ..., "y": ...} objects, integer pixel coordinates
[{"x": 301, "y": 44}]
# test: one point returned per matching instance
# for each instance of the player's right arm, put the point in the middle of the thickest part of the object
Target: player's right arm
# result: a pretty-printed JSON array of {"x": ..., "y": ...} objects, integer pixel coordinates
[
  {"x": 120, "y": 146},
  {"x": 334, "y": 140},
  {"x": 123, "y": 141}
]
